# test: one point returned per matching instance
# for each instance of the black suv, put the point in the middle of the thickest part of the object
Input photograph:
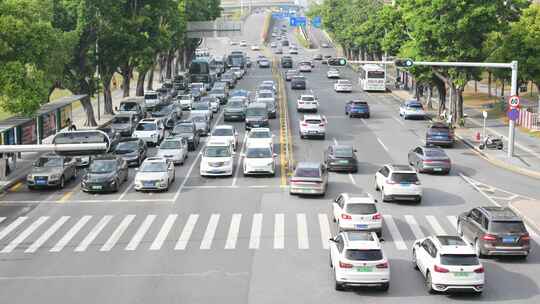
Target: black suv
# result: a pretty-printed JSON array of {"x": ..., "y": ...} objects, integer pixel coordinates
[
  {"x": 494, "y": 231},
  {"x": 440, "y": 134},
  {"x": 298, "y": 83},
  {"x": 188, "y": 130},
  {"x": 286, "y": 62},
  {"x": 105, "y": 174}
]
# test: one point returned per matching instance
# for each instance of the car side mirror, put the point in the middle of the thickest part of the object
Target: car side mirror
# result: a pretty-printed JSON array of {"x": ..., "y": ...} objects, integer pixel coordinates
[
  {"x": 381, "y": 240},
  {"x": 332, "y": 240}
]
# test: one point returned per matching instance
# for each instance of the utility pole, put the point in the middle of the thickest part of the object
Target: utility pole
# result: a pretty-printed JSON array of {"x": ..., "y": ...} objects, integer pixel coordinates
[{"x": 512, "y": 123}]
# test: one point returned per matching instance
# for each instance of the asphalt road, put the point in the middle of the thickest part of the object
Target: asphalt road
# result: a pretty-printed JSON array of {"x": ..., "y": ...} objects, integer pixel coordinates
[{"x": 246, "y": 240}]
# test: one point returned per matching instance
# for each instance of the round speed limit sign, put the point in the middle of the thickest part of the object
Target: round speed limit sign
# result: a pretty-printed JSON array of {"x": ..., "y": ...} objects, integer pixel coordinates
[{"x": 513, "y": 101}]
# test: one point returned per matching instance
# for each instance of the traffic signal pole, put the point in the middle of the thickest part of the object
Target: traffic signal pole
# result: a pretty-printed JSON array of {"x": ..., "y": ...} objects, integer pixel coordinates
[{"x": 512, "y": 65}]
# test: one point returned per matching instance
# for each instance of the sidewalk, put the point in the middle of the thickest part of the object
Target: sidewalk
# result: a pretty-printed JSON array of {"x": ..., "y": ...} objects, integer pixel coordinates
[
  {"x": 526, "y": 160},
  {"x": 23, "y": 165}
]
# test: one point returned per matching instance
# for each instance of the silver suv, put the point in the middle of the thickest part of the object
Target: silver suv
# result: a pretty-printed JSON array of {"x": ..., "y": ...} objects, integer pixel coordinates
[{"x": 51, "y": 170}]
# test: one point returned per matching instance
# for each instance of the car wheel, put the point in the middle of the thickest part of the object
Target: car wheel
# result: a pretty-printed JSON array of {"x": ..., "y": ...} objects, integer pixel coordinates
[
  {"x": 384, "y": 287},
  {"x": 117, "y": 186},
  {"x": 62, "y": 182},
  {"x": 478, "y": 249},
  {"x": 414, "y": 263},
  {"x": 429, "y": 284},
  {"x": 168, "y": 184}
]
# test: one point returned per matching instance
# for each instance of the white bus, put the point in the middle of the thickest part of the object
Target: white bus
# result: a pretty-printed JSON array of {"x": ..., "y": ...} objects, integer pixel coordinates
[{"x": 372, "y": 78}]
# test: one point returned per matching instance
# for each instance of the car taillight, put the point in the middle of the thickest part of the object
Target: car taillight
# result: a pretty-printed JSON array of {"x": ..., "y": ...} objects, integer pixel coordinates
[
  {"x": 344, "y": 265},
  {"x": 382, "y": 265},
  {"x": 525, "y": 238},
  {"x": 479, "y": 270},
  {"x": 440, "y": 269},
  {"x": 321, "y": 125},
  {"x": 304, "y": 124},
  {"x": 376, "y": 216},
  {"x": 346, "y": 216},
  {"x": 489, "y": 237}
]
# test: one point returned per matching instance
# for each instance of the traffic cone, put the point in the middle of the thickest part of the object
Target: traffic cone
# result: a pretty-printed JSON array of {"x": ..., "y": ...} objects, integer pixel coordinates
[{"x": 477, "y": 136}]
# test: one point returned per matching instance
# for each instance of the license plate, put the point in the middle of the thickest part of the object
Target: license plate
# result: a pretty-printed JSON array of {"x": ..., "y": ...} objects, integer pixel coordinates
[
  {"x": 97, "y": 187},
  {"x": 41, "y": 182},
  {"x": 364, "y": 269},
  {"x": 508, "y": 239},
  {"x": 405, "y": 184},
  {"x": 149, "y": 184},
  {"x": 361, "y": 226},
  {"x": 461, "y": 274},
  {"x": 312, "y": 132},
  {"x": 343, "y": 161},
  {"x": 437, "y": 169}
]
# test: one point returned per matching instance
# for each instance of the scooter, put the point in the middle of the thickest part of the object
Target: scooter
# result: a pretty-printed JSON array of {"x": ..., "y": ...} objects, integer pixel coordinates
[{"x": 491, "y": 142}]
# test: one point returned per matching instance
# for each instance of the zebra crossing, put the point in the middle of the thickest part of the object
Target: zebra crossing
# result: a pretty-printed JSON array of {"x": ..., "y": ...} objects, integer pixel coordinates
[{"x": 181, "y": 232}]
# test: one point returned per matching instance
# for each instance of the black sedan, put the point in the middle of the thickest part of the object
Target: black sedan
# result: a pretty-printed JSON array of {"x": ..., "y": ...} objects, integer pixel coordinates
[
  {"x": 188, "y": 130},
  {"x": 105, "y": 174},
  {"x": 341, "y": 158},
  {"x": 132, "y": 150}
]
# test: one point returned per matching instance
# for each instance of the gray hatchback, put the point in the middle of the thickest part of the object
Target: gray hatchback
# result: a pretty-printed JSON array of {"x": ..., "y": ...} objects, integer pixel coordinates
[
  {"x": 309, "y": 178},
  {"x": 430, "y": 159}
]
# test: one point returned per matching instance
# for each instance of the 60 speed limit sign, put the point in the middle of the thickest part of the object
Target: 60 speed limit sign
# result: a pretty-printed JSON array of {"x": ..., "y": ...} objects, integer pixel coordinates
[{"x": 513, "y": 101}]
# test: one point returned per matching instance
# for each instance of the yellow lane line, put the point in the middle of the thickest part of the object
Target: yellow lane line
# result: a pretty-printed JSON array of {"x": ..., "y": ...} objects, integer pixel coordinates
[
  {"x": 16, "y": 187},
  {"x": 65, "y": 197}
]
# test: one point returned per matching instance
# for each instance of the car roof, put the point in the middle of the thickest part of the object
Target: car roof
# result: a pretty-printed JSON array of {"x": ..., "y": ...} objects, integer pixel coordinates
[
  {"x": 259, "y": 130},
  {"x": 305, "y": 164},
  {"x": 439, "y": 125},
  {"x": 258, "y": 144},
  {"x": 217, "y": 142},
  {"x": 266, "y": 91},
  {"x": 104, "y": 157},
  {"x": 154, "y": 120},
  {"x": 400, "y": 168},
  {"x": 257, "y": 105},
  {"x": 150, "y": 92},
  {"x": 451, "y": 244},
  {"x": 412, "y": 101},
  {"x": 156, "y": 160},
  {"x": 361, "y": 239},
  {"x": 500, "y": 213},
  {"x": 224, "y": 127},
  {"x": 313, "y": 116},
  {"x": 307, "y": 95}
]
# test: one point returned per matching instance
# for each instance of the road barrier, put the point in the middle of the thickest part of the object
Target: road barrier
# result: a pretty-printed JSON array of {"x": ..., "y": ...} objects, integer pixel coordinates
[{"x": 529, "y": 120}]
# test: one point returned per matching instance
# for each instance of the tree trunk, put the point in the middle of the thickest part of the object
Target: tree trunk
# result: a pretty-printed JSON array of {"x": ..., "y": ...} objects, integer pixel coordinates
[
  {"x": 139, "y": 91},
  {"x": 502, "y": 88},
  {"x": 107, "y": 96},
  {"x": 126, "y": 74},
  {"x": 89, "y": 110},
  {"x": 150, "y": 83},
  {"x": 169, "y": 60},
  {"x": 459, "y": 107},
  {"x": 429, "y": 103},
  {"x": 489, "y": 83}
]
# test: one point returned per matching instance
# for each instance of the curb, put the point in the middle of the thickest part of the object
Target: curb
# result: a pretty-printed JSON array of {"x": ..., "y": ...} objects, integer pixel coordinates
[
  {"x": 11, "y": 183},
  {"x": 527, "y": 220}
]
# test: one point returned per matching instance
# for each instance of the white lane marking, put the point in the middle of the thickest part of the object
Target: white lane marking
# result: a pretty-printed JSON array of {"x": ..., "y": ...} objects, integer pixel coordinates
[
  {"x": 127, "y": 190},
  {"x": 279, "y": 231},
  {"x": 302, "y": 231},
  {"x": 240, "y": 159},
  {"x": 435, "y": 224},
  {"x": 475, "y": 186},
  {"x": 399, "y": 121},
  {"x": 139, "y": 235},
  {"x": 234, "y": 228},
  {"x": 70, "y": 234},
  {"x": 453, "y": 221},
  {"x": 195, "y": 161},
  {"x": 256, "y": 227},
  {"x": 186, "y": 232},
  {"x": 335, "y": 141},
  {"x": 163, "y": 232},
  {"x": 47, "y": 234},
  {"x": 352, "y": 179},
  {"x": 418, "y": 234},
  {"x": 12, "y": 226},
  {"x": 2, "y": 219},
  {"x": 208, "y": 236},
  {"x": 325, "y": 230},
  {"x": 396, "y": 236},
  {"x": 382, "y": 144},
  {"x": 93, "y": 233},
  {"x": 115, "y": 236},
  {"x": 21, "y": 237},
  {"x": 258, "y": 186}
]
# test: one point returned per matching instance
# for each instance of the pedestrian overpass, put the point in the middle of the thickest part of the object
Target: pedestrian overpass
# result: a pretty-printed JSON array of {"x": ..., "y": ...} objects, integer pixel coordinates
[{"x": 229, "y": 5}]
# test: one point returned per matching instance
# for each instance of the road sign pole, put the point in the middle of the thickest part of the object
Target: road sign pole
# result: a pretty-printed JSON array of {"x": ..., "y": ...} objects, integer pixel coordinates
[{"x": 512, "y": 123}]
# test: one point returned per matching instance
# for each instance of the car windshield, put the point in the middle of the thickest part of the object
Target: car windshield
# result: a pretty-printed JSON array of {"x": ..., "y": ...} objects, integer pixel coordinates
[
  {"x": 343, "y": 152},
  {"x": 260, "y": 134},
  {"x": 307, "y": 172},
  {"x": 439, "y": 130},
  {"x": 308, "y": 98},
  {"x": 235, "y": 104},
  {"x": 102, "y": 166},
  {"x": 183, "y": 129},
  {"x": 151, "y": 96},
  {"x": 127, "y": 146},
  {"x": 292, "y": 72},
  {"x": 171, "y": 144},
  {"x": 266, "y": 95},
  {"x": 359, "y": 104},
  {"x": 217, "y": 91},
  {"x": 153, "y": 167},
  {"x": 459, "y": 259},
  {"x": 200, "y": 106},
  {"x": 128, "y": 106},
  {"x": 198, "y": 118},
  {"x": 146, "y": 127},
  {"x": 313, "y": 121},
  {"x": 363, "y": 255},
  {"x": 120, "y": 120},
  {"x": 404, "y": 177},
  {"x": 46, "y": 162},
  {"x": 414, "y": 106},
  {"x": 361, "y": 208},
  {"x": 256, "y": 112},
  {"x": 435, "y": 153},
  {"x": 507, "y": 227},
  {"x": 259, "y": 153},
  {"x": 223, "y": 132},
  {"x": 198, "y": 86},
  {"x": 345, "y": 82},
  {"x": 185, "y": 97},
  {"x": 239, "y": 93},
  {"x": 161, "y": 109},
  {"x": 217, "y": 151}
]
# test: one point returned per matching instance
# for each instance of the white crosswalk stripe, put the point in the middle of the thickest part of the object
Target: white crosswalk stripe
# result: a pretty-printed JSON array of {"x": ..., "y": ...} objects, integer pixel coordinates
[
  {"x": 399, "y": 231},
  {"x": 163, "y": 232},
  {"x": 45, "y": 236},
  {"x": 115, "y": 236},
  {"x": 2, "y": 219},
  {"x": 71, "y": 233},
  {"x": 21, "y": 237},
  {"x": 139, "y": 235},
  {"x": 208, "y": 237},
  {"x": 234, "y": 229},
  {"x": 93, "y": 233}
]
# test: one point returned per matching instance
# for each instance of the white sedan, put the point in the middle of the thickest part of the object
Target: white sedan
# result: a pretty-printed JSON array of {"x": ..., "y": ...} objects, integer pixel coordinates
[
  {"x": 259, "y": 158},
  {"x": 260, "y": 136},
  {"x": 307, "y": 102},
  {"x": 343, "y": 85},
  {"x": 357, "y": 212},
  {"x": 226, "y": 133},
  {"x": 332, "y": 73},
  {"x": 313, "y": 125},
  {"x": 155, "y": 173},
  {"x": 255, "y": 47}
]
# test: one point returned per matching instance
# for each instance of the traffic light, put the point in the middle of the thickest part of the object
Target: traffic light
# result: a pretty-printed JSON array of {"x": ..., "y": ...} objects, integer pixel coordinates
[
  {"x": 404, "y": 63},
  {"x": 337, "y": 61}
]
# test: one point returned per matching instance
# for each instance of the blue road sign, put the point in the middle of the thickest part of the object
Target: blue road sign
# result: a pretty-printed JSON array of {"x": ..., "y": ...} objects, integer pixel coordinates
[
  {"x": 297, "y": 21},
  {"x": 513, "y": 114},
  {"x": 277, "y": 15},
  {"x": 316, "y": 21}
]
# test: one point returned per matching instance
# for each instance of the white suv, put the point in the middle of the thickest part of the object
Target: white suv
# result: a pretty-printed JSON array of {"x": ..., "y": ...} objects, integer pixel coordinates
[
  {"x": 398, "y": 182},
  {"x": 357, "y": 212},
  {"x": 307, "y": 103},
  {"x": 259, "y": 158},
  {"x": 343, "y": 85},
  {"x": 217, "y": 159},
  {"x": 313, "y": 125},
  {"x": 260, "y": 135},
  {"x": 151, "y": 130},
  {"x": 358, "y": 259},
  {"x": 448, "y": 263}
]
